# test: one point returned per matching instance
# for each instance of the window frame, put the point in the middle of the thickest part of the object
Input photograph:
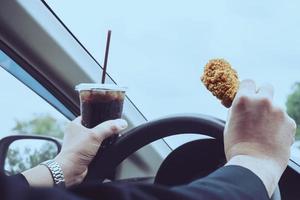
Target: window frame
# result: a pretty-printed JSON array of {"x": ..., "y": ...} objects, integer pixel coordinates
[
  {"x": 34, "y": 84},
  {"x": 38, "y": 37}
]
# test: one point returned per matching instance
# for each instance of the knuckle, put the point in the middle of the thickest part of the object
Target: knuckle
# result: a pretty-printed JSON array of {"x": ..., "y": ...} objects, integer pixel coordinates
[
  {"x": 93, "y": 136},
  {"x": 110, "y": 127},
  {"x": 279, "y": 113},
  {"x": 293, "y": 125},
  {"x": 293, "y": 141},
  {"x": 113, "y": 128},
  {"x": 241, "y": 101},
  {"x": 82, "y": 175},
  {"x": 265, "y": 103}
]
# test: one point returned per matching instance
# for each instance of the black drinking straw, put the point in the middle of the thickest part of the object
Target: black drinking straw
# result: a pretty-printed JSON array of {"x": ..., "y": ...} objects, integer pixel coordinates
[{"x": 106, "y": 56}]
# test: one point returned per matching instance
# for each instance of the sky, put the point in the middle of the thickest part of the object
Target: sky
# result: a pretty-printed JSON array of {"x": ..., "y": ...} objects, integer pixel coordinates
[
  {"x": 17, "y": 101},
  {"x": 159, "y": 48}
]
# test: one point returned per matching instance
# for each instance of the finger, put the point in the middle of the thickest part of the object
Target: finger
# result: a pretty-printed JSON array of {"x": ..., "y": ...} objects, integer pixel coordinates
[
  {"x": 246, "y": 88},
  {"x": 227, "y": 120},
  {"x": 228, "y": 114},
  {"x": 293, "y": 141},
  {"x": 293, "y": 127},
  {"x": 266, "y": 91},
  {"x": 77, "y": 120},
  {"x": 109, "y": 128}
]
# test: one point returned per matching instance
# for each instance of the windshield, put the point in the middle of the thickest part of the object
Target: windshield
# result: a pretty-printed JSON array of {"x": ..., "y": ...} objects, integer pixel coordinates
[{"x": 159, "y": 48}]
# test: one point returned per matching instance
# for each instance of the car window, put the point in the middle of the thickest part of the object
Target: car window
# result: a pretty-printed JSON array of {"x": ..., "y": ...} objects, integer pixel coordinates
[
  {"x": 22, "y": 110},
  {"x": 161, "y": 56},
  {"x": 159, "y": 48}
]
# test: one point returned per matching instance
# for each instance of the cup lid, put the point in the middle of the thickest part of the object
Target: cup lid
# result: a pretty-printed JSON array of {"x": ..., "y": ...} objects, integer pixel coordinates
[{"x": 98, "y": 86}]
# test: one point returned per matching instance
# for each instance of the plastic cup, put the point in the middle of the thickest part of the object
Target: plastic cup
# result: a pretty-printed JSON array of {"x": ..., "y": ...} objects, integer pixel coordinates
[{"x": 99, "y": 103}]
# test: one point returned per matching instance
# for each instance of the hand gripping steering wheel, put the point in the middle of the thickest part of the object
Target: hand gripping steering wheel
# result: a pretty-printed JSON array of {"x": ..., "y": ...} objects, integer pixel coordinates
[{"x": 106, "y": 160}]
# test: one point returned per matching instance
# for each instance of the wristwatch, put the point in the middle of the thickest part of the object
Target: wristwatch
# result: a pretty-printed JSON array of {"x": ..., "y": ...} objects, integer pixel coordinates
[{"x": 56, "y": 173}]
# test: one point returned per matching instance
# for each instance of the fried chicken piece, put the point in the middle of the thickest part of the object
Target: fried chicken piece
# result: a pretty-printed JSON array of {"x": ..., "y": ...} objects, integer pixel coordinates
[{"x": 221, "y": 80}]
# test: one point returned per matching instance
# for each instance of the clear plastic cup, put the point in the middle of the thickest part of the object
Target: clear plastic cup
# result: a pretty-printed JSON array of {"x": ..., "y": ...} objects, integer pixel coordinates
[{"x": 100, "y": 102}]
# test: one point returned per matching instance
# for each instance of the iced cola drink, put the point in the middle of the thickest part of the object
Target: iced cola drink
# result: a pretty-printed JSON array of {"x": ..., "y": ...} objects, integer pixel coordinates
[{"x": 99, "y": 103}]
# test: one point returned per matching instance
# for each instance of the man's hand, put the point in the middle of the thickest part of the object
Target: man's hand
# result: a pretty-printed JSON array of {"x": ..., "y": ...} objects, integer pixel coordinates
[
  {"x": 80, "y": 146},
  {"x": 258, "y": 135}
]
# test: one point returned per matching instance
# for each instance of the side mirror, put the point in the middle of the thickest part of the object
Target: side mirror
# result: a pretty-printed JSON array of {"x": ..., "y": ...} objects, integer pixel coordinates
[{"x": 21, "y": 152}]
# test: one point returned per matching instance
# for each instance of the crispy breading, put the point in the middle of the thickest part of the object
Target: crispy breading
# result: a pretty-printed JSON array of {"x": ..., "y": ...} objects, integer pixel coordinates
[{"x": 221, "y": 79}]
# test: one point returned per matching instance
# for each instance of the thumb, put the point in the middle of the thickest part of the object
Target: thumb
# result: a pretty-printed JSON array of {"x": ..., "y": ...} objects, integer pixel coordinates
[
  {"x": 109, "y": 128},
  {"x": 77, "y": 120}
]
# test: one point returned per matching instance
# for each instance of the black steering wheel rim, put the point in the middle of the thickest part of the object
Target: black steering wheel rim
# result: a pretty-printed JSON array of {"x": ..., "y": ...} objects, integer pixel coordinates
[{"x": 108, "y": 159}]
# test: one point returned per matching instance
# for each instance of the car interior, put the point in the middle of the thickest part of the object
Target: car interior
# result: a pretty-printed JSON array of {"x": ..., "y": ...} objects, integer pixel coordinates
[{"x": 50, "y": 60}]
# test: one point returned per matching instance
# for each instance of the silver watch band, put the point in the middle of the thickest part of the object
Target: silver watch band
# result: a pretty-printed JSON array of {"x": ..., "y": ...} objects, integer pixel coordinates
[{"x": 56, "y": 172}]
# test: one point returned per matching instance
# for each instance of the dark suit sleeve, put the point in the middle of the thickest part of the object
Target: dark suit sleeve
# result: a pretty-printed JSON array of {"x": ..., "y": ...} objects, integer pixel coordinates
[{"x": 231, "y": 182}]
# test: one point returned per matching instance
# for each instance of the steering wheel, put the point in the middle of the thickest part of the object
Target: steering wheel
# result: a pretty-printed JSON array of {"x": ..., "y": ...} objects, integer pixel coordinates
[{"x": 107, "y": 159}]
